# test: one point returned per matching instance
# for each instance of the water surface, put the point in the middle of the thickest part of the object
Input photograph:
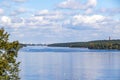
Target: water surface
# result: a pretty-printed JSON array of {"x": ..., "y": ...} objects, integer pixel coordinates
[{"x": 45, "y": 63}]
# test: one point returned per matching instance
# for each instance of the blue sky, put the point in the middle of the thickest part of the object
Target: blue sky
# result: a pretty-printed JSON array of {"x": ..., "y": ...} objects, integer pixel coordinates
[{"x": 52, "y": 21}]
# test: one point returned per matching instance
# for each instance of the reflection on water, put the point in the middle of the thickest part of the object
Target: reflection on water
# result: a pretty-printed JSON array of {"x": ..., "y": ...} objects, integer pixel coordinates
[{"x": 70, "y": 66}]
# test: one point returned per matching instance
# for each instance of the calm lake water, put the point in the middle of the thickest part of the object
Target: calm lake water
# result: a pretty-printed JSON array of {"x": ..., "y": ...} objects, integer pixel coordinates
[{"x": 45, "y": 63}]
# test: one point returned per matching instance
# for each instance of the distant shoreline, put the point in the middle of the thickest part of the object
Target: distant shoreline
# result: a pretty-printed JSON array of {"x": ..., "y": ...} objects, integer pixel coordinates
[{"x": 98, "y": 44}]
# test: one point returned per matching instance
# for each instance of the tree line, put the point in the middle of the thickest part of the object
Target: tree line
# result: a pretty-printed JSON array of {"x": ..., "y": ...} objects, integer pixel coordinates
[{"x": 98, "y": 44}]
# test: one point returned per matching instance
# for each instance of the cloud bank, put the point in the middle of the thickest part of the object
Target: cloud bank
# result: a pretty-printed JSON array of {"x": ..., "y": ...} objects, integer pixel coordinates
[
  {"x": 74, "y": 4},
  {"x": 72, "y": 20}
]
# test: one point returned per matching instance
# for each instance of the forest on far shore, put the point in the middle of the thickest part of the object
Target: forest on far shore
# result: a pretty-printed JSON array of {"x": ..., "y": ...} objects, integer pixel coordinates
[{"x": 98, "y": 44}]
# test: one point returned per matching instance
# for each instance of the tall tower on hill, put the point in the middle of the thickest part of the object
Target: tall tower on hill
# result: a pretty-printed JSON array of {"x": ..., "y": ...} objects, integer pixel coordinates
[{"x": 109, "y": 38}]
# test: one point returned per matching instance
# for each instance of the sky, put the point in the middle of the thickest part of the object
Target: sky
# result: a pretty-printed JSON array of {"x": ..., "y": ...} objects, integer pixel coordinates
[{"x": 55, "y": 21}]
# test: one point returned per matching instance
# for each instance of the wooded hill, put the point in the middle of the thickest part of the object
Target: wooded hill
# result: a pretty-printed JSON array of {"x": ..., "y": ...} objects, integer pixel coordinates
[{"x": 98, "y": 44}]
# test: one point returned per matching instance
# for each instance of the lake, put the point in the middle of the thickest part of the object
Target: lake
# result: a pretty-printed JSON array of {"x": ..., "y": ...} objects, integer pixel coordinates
[{"x": 51, "y": 63}]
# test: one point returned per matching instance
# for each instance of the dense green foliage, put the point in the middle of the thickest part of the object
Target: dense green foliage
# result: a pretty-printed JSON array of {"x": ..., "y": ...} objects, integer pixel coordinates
[
  {"x": 104, "y": 44},
  {"x": 71, "y": 44},
  {"x": 99, "y": 44},
  {"x": 9, "y": 67}
]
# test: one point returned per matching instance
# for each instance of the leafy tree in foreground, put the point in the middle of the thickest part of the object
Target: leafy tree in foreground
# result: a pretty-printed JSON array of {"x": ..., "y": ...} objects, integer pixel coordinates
[{"x": 9, "y": 67}]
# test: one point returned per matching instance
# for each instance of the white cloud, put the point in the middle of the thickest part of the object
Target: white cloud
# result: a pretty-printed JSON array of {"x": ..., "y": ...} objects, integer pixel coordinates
[
  {"x": 50, "y": 15},
  {"x": 37, "y": 21},
  {"x": 18, "y": 11},
  {"x": 5, "y": 19},
  {"x": 17, "y": 20},
  {"x": 74, "y": 4},
  {"x": 1, "y": 11},
  {"x": 109, "y": 11},
  {"x": 78, "y": 19},
  {"x": 70, "y": 4},
  {"x": 89, "y": 11},
  {"x": 43, "y": 12},
  {"x": 54, "y": 20},
  {"x": 91, "y": 3},
  {"x": 21, "y": 10},
  {"x": 97, "y": 24},
  {"x": 9, "y": 22},
  {"x": 19, "y": 0},
  {"x": 117, "y": 29}
]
